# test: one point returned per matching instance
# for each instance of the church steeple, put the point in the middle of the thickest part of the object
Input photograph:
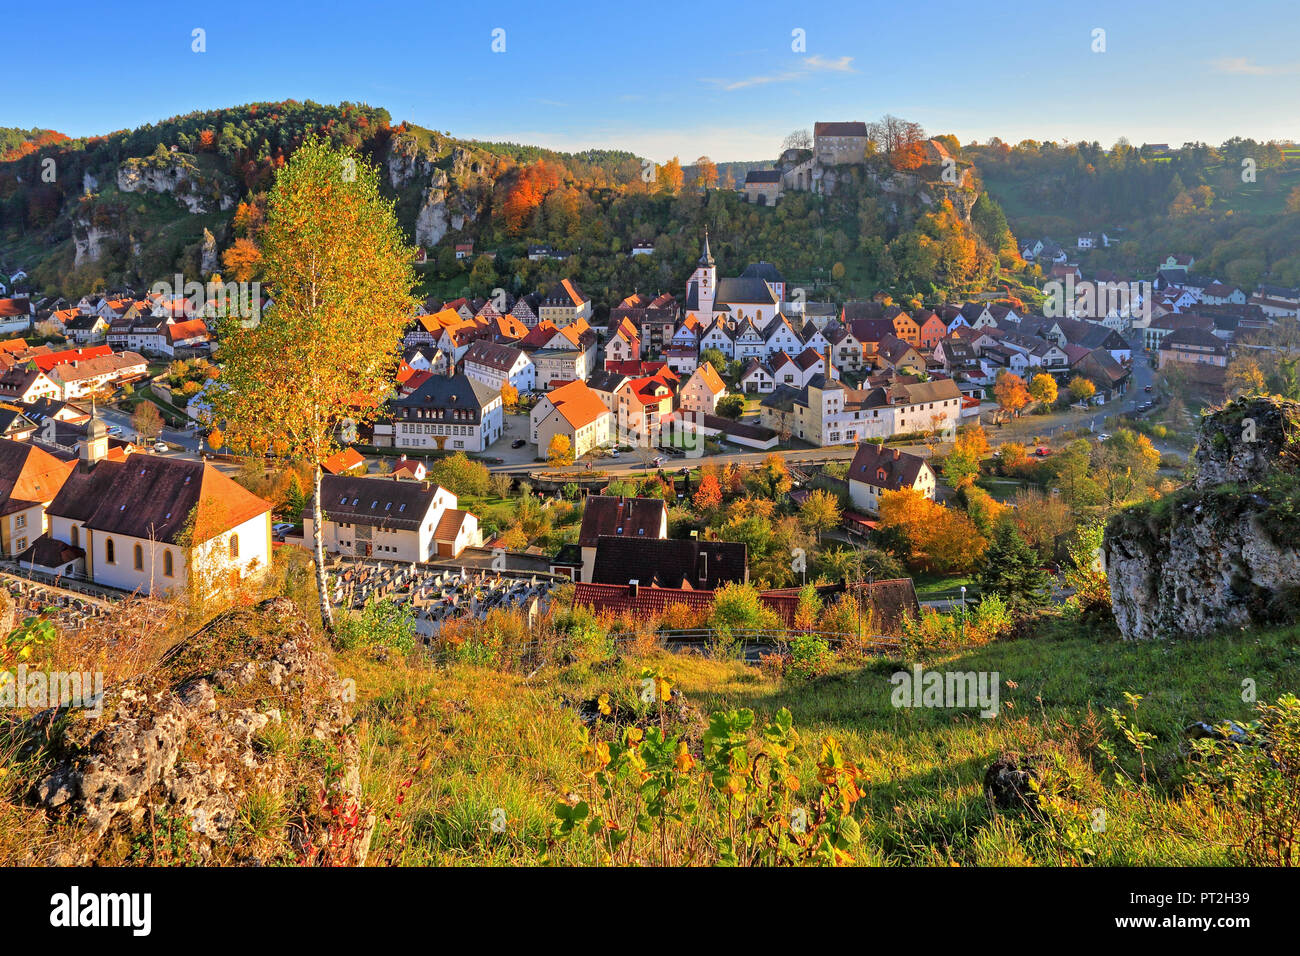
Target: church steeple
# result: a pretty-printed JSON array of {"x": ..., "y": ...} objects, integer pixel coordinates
[{"x": 706, "y": 258}]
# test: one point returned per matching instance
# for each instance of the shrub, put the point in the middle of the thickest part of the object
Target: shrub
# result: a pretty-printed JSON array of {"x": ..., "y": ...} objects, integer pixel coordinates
[
  {"x": 380, "y": 624},
  {"x": 810, "y": 656}
]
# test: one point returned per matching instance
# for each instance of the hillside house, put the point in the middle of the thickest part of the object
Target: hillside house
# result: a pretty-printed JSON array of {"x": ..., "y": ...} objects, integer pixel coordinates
[{"x": 405, "y": 521}]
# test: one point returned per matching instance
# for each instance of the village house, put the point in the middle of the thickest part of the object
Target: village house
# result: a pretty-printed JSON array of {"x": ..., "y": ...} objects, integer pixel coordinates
[
  {"x": 576, "y": 412},
  {"x": 654, "y": 317},
  {"x": 637, "y": 519},
  {"x": 30, "y": 478},
  {"x": 642, "y": 407},
  {"x": 702, "y": 390},
  {"x": 345, "y": 461},
  {"x": 452, "y": 413},
  {"x": 561, "y": 354},
  {"x": 87, "y": 329},
  {"x": 496, "y": 365},
  {"x": 565, "y": 304},
  {"x": 80, "y": 377},
  {"x": 624, "y": 342},
  {"x": 669, "y": 562},
  {"x": 1192, "y": 346},
  {"x": 762, "y": 186},
  {"x": 404, "y": 521},
  {"x": 155, "y": 525},
  {"x": 876, "y": 469}
]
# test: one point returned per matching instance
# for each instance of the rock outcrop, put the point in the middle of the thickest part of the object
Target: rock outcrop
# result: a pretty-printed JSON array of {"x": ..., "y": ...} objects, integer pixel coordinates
[
  {"x": 245, "y": 721},
  {"x": 177, "y": 178},
  {"x": 1223, "y": 552}
]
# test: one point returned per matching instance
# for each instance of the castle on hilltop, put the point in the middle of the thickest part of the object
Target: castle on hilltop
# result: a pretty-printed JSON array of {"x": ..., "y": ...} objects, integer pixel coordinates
[{"x": 837, "y": 149}]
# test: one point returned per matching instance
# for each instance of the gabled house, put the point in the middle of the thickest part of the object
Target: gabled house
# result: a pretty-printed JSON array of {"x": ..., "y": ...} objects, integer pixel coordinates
[
  {"x": 446, "y": 412},
  {"x": 702, "y": 390},
  {"x": 565, "y": 304},
  {"x": 603, "y": 516},
  {"x": 719, "y": 336},
  {"x": 876, "y": 469},
  {"x": 575, "y": 411},
  {"x": 846, "y": 350},
  {"x": 496, "y": 365},
  {"x": 895, "y": 353},
  {"x": 780, "y": 336},
  {"x": 624, "y": 342},
  {"x": 931, "y": 328},
  {"x": 642, "y": 407},
  {"x": 750, "y": 342},
  {"x": 756, "y": 378},
  {"x": 157, "y": 525},
  {"x": 404, "y": 521},
  {"x": 30, "y": 478}
]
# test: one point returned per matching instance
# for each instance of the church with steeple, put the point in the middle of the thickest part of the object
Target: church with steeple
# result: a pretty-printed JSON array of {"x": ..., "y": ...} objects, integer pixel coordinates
[
  {"x": 753, "y": 296},
  {"x": 703, "y": 285}
]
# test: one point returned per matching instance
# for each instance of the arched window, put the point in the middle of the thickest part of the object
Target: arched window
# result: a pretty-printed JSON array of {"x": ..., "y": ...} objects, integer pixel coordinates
[
  {"x": 139, "y": 558},
  {"x": 168, "y": 567},
  {"x": 76, "y": 536},
  {"x": 234, "y": 545},
  {"x": 110, "y": 552}
]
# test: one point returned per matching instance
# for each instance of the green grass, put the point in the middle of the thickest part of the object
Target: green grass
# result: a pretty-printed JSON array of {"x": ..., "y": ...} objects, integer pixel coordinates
[
  {"x": 494, "y": 740},
  {"x": 934, "y": 585}
]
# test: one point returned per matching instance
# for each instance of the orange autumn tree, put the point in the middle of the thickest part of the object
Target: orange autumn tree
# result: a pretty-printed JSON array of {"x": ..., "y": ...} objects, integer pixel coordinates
[
  {"x": 706, "y": 174},
  {"x": 316, "y": 366},
  {"x": 669, "y": 177},
  {"x": 1011, "y": 392},
  {"x": 242, "y": 259},
  {"x": 709, "y": 494},
  {"x": 935, "y": 538},
  {"x": 526, "y": 193}
]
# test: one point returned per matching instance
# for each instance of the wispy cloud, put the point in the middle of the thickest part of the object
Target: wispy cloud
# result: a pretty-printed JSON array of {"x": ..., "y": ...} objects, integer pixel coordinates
[
  {"x": 808, "y": 66},
  {"x": 1244, "y": 66},
  {"x": 842, "y": 65}
]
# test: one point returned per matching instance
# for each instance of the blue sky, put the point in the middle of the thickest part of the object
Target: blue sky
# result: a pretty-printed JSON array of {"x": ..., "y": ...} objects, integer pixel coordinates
[{"x": 667, "y": 78}]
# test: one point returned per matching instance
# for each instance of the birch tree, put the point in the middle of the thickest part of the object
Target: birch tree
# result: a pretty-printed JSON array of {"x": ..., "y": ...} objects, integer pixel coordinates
[{"x": 322, "y": 359}]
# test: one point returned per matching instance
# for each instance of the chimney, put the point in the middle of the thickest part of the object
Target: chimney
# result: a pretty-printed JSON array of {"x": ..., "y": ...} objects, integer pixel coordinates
[{"x": 633, "y": 587}]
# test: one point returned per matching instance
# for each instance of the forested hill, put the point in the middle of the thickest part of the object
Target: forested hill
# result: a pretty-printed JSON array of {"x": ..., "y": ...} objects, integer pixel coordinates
[
  {"x": 1235, "y": 207},
  {"x": 187, "y": 195}
]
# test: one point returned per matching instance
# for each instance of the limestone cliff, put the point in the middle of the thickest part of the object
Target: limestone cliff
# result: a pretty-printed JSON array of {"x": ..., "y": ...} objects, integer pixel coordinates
[
  {"x": 1223, "y": 552},
  {"x": 177, "y": 176},
  {"x": 237, "y": 748}
]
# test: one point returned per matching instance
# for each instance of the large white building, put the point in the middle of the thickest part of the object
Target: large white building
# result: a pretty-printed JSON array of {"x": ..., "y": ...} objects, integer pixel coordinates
[{"x": 446, "y": 413}]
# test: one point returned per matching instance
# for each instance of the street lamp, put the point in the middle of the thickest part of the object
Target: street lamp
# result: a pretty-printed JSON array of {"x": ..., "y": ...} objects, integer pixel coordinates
[{"x": 963, "y": 613}]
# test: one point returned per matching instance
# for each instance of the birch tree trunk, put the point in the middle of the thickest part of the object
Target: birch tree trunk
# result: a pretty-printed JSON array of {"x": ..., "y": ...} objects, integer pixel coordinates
[{"x": 318, "y": 546}]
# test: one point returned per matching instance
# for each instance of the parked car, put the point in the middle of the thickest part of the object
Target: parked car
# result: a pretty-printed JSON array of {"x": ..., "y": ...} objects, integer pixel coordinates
[
  {"x": 281, "y": 528},
  {"x": 161, "y": 447},
  {"x": 115, "y": 431},
  {"x": 1147, "y": 389},
  {"x": 518, "y": 443},
  {"x": 1103, "y": 437}
]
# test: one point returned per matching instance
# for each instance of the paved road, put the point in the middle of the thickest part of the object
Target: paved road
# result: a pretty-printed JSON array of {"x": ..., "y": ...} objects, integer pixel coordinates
[{"x": 182, "y": 438}]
